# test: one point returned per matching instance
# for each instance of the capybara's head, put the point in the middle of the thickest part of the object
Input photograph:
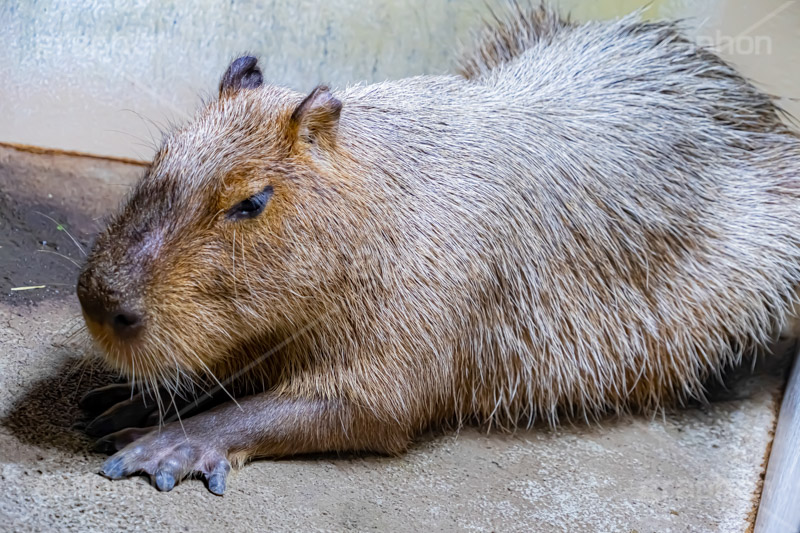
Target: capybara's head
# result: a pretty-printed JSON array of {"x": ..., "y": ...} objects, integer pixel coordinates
[{"x": 223, "y": 239}]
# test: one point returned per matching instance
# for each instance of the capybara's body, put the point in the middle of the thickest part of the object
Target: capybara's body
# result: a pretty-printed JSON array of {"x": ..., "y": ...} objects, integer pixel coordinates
[{"x": 592, "y": 218}]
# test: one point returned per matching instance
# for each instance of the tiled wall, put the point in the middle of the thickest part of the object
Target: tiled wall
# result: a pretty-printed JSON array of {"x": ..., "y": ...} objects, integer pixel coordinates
[{"x": 85, "y": 76}]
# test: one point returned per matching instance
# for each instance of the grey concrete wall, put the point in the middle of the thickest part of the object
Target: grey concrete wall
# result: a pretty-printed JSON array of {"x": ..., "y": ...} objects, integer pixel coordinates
[{"x": 100, "y": 78}]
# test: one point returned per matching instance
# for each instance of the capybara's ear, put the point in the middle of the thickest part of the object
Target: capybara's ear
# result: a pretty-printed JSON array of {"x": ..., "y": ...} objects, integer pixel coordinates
[
  {"x": 316, "y": 118},
  {"x": 243, "y": 73}
]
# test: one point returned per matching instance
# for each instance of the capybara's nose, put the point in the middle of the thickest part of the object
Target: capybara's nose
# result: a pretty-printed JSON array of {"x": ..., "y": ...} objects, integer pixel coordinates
[{"x": 125, "y": 322}]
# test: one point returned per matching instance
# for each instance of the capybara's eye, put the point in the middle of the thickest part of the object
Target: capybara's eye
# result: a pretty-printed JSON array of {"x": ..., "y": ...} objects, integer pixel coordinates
[{"x": 251, "y": 207}]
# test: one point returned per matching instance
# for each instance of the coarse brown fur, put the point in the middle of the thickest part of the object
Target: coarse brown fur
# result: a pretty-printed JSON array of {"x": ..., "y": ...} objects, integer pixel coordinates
[{"x": 591, "y": 218}]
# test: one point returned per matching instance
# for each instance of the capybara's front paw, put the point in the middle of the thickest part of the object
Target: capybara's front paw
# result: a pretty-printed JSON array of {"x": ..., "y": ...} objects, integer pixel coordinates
[
  {"x": 118, "y": 406},
  {"x": 167, "y": 456}
]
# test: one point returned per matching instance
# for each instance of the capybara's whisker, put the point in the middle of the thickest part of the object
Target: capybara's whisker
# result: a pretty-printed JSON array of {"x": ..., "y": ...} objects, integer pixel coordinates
[{"x": 61, "y": 227}]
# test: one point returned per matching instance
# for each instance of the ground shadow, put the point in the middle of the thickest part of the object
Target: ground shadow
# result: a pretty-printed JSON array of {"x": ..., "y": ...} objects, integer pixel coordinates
[
  {"x": 44, "y": 415},
  {"x": 744, "y": 380}
]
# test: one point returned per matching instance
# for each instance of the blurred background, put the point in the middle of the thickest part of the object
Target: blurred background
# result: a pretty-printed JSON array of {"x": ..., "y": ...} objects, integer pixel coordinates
[{"x": 99, "y": 78}]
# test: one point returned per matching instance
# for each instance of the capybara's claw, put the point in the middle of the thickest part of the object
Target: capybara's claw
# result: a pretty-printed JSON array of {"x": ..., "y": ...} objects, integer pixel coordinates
[
  {"x": 167, "y": 457},
  {"x": 164, "y": 480},
  {"x": 218, "y": 477},
  {"x": 113, "y": 468}
]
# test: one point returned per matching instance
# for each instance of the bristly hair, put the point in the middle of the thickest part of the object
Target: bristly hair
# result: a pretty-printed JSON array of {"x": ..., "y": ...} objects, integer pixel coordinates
[
  {"x": 506, "y": 35},
  {"x": 590, "y": 218}
]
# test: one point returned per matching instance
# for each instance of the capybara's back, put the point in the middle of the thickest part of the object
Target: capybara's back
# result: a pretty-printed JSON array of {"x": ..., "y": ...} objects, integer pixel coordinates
[
  {"x": 592, "y": 217},
  {"x": 650, "y": 198}
]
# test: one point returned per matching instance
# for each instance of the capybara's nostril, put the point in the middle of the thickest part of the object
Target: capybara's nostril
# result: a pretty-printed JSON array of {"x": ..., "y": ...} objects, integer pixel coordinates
[
  {"x": 126, "y": 323},
  {"x": 103, "y": 308}
]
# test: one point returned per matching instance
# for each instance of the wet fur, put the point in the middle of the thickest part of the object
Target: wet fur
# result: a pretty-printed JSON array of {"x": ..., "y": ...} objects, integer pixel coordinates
[{"x": 590, "y": 218}]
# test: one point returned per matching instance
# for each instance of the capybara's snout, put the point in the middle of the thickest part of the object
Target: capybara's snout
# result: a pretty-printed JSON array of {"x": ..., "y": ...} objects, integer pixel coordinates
[{"x": 111, "y": 310}]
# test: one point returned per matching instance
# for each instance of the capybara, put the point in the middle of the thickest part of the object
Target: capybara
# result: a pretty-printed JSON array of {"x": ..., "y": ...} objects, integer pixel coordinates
[{"x": 590, "y": 218}]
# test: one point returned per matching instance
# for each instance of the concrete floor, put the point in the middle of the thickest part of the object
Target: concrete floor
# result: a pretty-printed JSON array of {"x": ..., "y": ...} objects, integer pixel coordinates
[{"x": 695, "y": 469}]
